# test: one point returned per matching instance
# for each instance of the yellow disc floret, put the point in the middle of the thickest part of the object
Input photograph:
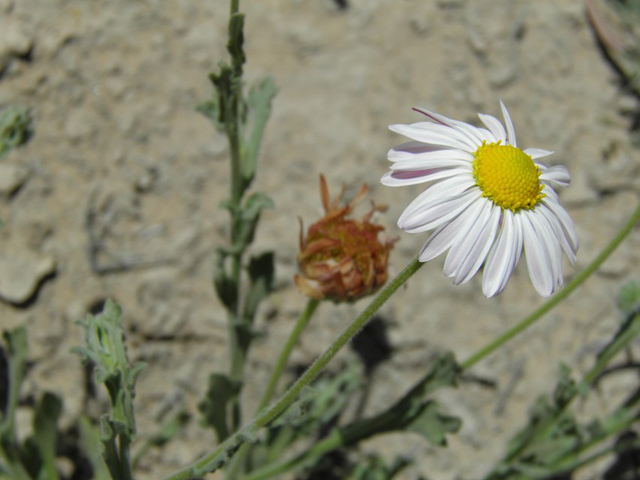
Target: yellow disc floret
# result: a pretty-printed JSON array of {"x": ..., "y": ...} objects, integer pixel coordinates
[{"x": 507, "y": 176}]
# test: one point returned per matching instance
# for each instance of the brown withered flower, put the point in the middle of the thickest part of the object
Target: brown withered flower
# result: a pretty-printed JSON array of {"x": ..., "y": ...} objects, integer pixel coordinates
[{"x": 342, "y": 259}]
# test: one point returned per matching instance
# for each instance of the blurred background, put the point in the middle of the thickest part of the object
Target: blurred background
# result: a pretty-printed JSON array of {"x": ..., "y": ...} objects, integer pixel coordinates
[{"x": 116, "y": 195}]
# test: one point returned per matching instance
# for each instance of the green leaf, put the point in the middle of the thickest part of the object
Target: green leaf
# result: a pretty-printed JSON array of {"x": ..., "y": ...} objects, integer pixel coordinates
[
  {"x": 211, "y": 110},
  {"x": 224, "y": 285},
  {"x": 375, "y": 468},
  {"x": 15, "y": 127},
  {"x": 90, "y": 445},
  {"x": 230, "y": 447},
  {"x": 565, "y": 390},
  {"x": 260, "y": 99},
  {"x": 47, "y": 413},
  {"x": 214, "y": 407},
  {"x": 629, "y": 298},
  {"x": 261, "y": 274},
  {"x": 409, "y": 411},
  {"x": 333, "y": 395},
  {"x": 17, "y": 353},
  {"x": 31, "y": 460},
  {"x": 433, "y": 425},
  {"x": 170, "y": 429},
  {"x": 223, "y": 81},
  {"x": 251, "y": 215},
  {"x": 105, "y": 347},
  {"x": 298, "y": 411}
]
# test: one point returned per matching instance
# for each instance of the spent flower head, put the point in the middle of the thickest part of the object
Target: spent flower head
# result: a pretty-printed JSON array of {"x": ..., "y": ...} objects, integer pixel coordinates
[
  {"x": 342, "y": 259},
  {"x": 486, "y": 200}
]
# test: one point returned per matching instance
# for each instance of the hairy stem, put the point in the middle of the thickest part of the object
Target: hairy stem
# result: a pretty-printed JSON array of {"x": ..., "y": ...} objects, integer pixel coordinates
[
  {"x": 361, "y": 320},
  {"x": 299, "y": 327},
  {"x": 291, "y": 395}
]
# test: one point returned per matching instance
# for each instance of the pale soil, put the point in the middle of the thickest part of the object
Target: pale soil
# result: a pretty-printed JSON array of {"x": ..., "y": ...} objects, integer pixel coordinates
[{"x": 113, "y": 87}]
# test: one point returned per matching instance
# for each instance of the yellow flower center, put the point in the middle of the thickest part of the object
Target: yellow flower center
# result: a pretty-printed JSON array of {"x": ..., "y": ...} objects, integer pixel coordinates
[{"x": 507, "y": 176}]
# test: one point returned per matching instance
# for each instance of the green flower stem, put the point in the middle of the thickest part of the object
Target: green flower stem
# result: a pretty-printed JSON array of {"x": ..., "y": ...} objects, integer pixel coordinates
[
  {"x": 559, "y": 297},
  {"x": 312, "y": 372},
  {"x": 299, "y": 327},
  {"x": 301, "y": 324},
  {"x": 290, "y": 396},
  {"x": 605, "y": 357}
]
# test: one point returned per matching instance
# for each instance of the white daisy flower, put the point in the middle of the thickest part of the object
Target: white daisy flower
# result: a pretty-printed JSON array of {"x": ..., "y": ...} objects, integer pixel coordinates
[{"x": 486, "y": 199}]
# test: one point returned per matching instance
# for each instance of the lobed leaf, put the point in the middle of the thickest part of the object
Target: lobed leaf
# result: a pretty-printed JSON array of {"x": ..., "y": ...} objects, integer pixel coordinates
[
  {"x": 214, "y": 407},
  {"x": 261, "y": 274}
]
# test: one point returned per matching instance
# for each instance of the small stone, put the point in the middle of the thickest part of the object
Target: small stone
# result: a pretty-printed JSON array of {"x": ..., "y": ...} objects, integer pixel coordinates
[
  {"x": 13, "y": 42},
  {"x": 12, "y": 177},
  {"x": 22, "y": 274}
]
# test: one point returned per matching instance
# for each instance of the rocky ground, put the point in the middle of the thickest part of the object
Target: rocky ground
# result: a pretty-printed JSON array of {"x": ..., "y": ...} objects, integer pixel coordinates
[{"x": 116, "y": 195}]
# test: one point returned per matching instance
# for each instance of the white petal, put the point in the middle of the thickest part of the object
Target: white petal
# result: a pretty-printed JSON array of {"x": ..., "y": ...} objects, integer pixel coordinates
[
  {"x": 409, "y": 150},
  {"x": 486, "y": 135},
  {"x": 558, "y": 231},
  {"x": 545, "y": 233},
  {"x": 435, "y": 194},
  {"x": 558, "y": 176},
  {"x": 478, "y": 250},
  {"x": 451, "y": 158},
  {"x": 537, "y": 152},
  {"x": 538, "y": 258},
  {"x": 468, "y": 130},
  {"x": 464, "y": 244},
  {"x": 428, "y": 135},
  {"x": 495, "y": 127},
  {"x": 518, "y": 247},
  {"x": 511, "y": 132},
  {"x": 412, "y": 177},
  {"x": 471, "y": 142},
  {"x": 440, "y": 213},
  {"x": 501, "y": 259},
  {"x": 564, "y": 218},
  {"x": 445, "y": 235}
]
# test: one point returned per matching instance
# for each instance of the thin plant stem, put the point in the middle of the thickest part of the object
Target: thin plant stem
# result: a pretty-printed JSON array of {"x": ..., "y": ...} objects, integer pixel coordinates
[
  {"x": 291, "y": 395},
  {"x": 124, "y": 457},
  {"x": 361, "y": 320},
  {"x": 299, "y": 327},
  {"x": 237, "y": 345},
  {"x": 601, "y": 363},
  {"x": 331, "y": 442},
  {"x": 301, "y": 324},
  {"x": 559, "y": 297}
]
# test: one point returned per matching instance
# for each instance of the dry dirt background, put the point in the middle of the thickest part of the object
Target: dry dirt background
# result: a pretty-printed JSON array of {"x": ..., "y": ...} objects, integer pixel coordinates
[{"x": 120, "y": 155}]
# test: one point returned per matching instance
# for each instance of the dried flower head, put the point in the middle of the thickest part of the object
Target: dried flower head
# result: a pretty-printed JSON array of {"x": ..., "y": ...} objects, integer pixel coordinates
[{"x": 342, "y": 259}]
